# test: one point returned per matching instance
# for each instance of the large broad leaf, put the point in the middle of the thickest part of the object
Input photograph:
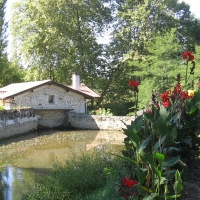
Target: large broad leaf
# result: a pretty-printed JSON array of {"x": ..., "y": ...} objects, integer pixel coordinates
[
  {"x": 186, "y": 141},
  {"x": 147, "y": 159},
  {"x": 159, "y": 143},
  {"x": 196, "y": 98},
  {"x": 157, "y": 172},
  {"x": 188, "y": 105},
  {"x": 163, "y": 112},
  {"x": 173, "y": 148},
  {"x": 169, "y": 173},
  {"x": 150, "y": 196},
  {"x": 128, "y": 159},
  {"x": 174, "y": 133},
  {"x": 141, "y": 174},
  {"x": 174, "y": 119},
  {"x": 133, "y": 136},
  {"x": 192, "y": 110},
  {"x": 160, "y": 181},
  {"x": 170, "y": 162},
  {"x": 136, "y": 125},
  {"x": 144, "y": 144},
  {"x": 178, "y": 186},
  {"x": 161, "y": 126},
  {"x": 143, "y": 188}
]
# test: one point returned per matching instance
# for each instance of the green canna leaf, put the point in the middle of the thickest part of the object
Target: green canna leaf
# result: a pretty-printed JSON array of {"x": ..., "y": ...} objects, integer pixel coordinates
[{"x": 170, "y": 162}]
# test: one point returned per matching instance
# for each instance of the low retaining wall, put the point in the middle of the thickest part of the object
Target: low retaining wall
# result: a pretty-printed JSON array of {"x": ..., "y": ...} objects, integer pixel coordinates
[
  {"x": 96, "y": 122},
  {"x": 13, "y": 122},
  {"x": 51, "y": 118}
]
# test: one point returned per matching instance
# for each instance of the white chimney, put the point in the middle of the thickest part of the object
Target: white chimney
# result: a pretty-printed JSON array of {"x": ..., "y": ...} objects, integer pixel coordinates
[{"x": 76, "y": 81}]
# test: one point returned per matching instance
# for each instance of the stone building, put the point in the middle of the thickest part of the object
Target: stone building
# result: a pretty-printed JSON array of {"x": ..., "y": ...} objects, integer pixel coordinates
[{"x": 50, "y": 100}]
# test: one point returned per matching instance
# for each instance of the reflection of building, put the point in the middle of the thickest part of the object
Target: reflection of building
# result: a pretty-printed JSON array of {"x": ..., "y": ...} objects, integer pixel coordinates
[
  {"x": 7, "y": 181},
  {"x": 11, "y": 180}
]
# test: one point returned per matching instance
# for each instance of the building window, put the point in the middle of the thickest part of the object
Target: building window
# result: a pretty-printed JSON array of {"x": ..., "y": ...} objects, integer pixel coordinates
[{"x": 51, "y": 98}]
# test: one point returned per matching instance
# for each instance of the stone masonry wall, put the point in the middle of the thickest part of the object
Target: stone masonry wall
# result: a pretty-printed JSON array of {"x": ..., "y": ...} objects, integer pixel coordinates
[
  {"x": 39, "y": 99},
  {"x": 13, "y": 122},
  {"x": 96, "y": 122},
  {"x": 52, "y": 118}
]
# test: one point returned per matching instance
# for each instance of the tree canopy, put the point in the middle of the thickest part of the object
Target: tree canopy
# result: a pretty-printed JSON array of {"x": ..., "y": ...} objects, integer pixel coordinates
[{"x": 52, "y": 39}]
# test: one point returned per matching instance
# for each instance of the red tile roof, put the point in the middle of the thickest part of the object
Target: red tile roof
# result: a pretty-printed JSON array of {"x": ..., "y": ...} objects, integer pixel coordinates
[{"x": 84, "y": 89}]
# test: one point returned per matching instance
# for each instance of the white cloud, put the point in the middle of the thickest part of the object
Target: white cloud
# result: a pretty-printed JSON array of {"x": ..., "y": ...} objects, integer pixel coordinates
[{"x": 194, "y": 6}]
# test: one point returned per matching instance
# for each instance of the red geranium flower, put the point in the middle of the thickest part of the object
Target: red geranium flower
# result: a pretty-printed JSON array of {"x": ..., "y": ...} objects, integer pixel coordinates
[{"x": 187, "y": 56}]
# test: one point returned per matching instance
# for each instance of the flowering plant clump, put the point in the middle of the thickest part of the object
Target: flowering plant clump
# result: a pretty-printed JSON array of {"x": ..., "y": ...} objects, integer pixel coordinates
[
  {"x": 175, "y": 95},
  {"x": 163, "y": 139}
]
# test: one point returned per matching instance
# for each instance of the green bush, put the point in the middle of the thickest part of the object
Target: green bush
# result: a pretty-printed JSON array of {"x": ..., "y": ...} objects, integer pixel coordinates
[{"x": 101, "y": 111}]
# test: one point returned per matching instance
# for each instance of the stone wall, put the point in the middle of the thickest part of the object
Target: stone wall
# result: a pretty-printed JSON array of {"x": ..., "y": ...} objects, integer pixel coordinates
[
  {"x": 96, "y": 122},
  {"x": 51, "y": 118},
  {"x": 13, "y": 122},
  {"x": 62, "y": 99}
]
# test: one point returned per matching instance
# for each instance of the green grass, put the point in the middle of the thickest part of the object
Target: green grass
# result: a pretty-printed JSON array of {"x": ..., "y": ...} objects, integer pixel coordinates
[{"x": 89, "y": 176}]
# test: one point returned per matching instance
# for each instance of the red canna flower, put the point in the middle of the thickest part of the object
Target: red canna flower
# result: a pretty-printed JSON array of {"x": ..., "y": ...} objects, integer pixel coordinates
[
  {"x": 184, "y": 95},
  {"x": 177, "y": 90},
  {"x": 187, "y": 55},
  {"x": 165, "y": 104},
  {"x": 128, "y": 183},
  {"x": 165, "y": 96},
  {"x": 133, "y": 83}
]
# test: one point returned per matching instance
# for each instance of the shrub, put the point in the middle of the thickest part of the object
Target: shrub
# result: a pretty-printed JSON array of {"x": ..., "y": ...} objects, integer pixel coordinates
[
  {"x": 102, "y": 111},
  {"x": 2, "y": 108}
]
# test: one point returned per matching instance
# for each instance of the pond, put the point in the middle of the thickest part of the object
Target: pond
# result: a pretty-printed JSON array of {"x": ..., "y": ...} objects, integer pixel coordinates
[{"x": 36, "y": 151}]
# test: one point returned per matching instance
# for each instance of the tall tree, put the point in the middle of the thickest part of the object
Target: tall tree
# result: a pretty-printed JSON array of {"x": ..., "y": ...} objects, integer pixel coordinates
[
  {"x": 54, "y": 38},
  {"x": 8, "y": 72}
]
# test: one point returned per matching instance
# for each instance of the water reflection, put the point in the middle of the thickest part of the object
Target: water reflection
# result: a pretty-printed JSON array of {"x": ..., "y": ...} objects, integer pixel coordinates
[
  {"x": 9, "y": 176},
  {"x": 21, "y": 156}
]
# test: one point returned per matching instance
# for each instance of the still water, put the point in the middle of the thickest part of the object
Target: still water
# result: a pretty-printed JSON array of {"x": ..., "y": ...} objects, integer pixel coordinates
[{"x": 36, "y": 151}]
